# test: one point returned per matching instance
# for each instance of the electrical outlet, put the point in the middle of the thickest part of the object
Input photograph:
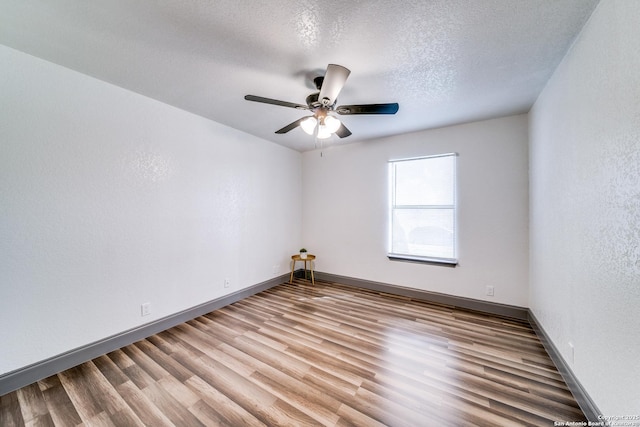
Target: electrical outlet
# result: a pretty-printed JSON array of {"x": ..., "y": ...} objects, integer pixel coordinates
[
  {"x": 227, "y": 282},
  {"x": 145, "y": 309},
  {"x": 490, "y": 291},
  {"x": 275, "y": 270}
]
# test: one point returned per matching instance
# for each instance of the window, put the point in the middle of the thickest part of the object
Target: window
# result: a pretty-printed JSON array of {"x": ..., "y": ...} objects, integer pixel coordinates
[{"x": 423, "y": 209}]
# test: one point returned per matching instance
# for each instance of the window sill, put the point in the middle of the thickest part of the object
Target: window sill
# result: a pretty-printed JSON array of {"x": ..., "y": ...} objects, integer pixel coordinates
[{"x": 444, "y": 262}]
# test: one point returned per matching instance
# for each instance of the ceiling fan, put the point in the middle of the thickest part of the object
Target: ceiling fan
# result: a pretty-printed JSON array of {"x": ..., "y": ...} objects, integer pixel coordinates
[{"x": 322, "y": 104}]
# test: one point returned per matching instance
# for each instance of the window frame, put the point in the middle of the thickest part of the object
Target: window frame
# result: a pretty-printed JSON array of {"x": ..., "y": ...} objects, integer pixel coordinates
[{"x": 392, "y": 206}]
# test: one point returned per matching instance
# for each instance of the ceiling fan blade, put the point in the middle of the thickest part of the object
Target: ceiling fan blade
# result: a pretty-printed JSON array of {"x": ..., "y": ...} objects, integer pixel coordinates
[
  {"x": 342, "y": 131},
  {"x": 334, "y": 80},
  {"x": 368, "y": 109},
  {"x": 291, "y": 126},
  {"x": 275, "y": 102}
]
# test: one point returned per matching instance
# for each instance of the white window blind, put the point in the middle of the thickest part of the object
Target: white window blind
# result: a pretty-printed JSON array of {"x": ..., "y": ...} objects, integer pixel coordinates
[{"x": 423, "y": 209}]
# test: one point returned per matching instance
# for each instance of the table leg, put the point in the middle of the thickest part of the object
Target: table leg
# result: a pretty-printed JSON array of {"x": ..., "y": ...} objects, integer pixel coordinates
[
  {"x": 293, "y": 265},
  {"x": 311, "y": 267}
]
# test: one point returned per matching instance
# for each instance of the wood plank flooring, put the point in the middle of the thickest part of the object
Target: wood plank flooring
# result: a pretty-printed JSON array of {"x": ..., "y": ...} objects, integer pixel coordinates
[{"x": 312, "y": 355}]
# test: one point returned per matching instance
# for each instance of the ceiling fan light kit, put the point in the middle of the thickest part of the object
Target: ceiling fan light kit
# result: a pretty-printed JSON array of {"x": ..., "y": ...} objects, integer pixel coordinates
[
  {"x": 322, "y": 124},
  {"x": 322, "y": 127}
]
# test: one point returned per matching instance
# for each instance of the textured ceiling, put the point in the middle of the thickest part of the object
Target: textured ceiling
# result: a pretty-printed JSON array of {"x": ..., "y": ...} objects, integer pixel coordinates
[{"x": 443, "y": 61}]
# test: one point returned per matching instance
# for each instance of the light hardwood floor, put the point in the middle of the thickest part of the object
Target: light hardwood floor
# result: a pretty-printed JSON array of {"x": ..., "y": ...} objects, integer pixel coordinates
[{"x": 312, "y": 355}]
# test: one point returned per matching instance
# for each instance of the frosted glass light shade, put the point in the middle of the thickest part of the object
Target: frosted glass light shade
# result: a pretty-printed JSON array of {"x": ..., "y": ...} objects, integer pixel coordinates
[
  {"x": 309, "y": 124},
  {"x": 332, "y": 124},
  {"x": 323, "y": 132}
]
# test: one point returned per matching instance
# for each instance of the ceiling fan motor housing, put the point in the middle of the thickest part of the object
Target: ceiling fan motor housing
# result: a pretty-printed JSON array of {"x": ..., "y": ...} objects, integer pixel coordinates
[{"x": 312, "y": 100}]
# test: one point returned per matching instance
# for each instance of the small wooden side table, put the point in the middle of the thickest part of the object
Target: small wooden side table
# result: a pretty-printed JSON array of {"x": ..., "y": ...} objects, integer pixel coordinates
[{"x": 309, "y": 258}]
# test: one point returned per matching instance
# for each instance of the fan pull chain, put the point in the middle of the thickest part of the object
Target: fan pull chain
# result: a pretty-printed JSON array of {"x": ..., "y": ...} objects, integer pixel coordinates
[{"x": 319, "y": 144}]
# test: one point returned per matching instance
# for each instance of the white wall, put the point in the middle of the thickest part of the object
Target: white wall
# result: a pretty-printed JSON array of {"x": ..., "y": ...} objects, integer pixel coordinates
[
  {"x": 585, "y": 207},
  {"x": 345, "y": 210},
  {"x": 110, "y": 199}
]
